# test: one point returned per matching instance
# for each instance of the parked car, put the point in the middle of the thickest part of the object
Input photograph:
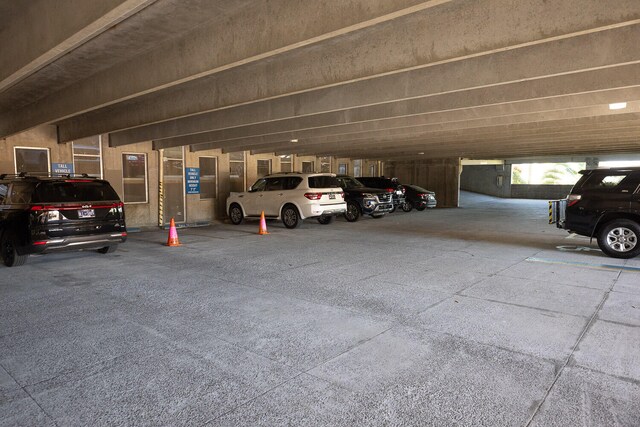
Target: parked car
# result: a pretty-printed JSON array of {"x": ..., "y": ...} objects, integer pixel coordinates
[
  {"x": 363, "y": 200},
  {"x": 418, "y": 197},
  {"x": 390, "y": 184},
  {"x": 48, "y": 214},
  {"x": 290, "y": 196},
  {"x": 605, "y": 204}
]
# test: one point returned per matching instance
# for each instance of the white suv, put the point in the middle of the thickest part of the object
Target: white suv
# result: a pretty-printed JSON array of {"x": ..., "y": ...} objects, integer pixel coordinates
[{"x": 291, "y": 197}]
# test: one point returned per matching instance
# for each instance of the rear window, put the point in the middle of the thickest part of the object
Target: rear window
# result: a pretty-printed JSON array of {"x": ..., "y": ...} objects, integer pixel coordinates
[
  {"x": 67, "y": 191},
  {"x": 323, "y": 182},
  {"x": 418, "y": 189},
  {"x": 600, "y": 181}
]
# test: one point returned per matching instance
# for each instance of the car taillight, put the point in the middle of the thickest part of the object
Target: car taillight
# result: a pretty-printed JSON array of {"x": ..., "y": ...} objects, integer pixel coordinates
[
  {"x": 422, "y": 195},
  {"x": 342, "y": 194},
  {"x": 313, "y": 196},
  {"x": 43, "y": 208},
  {"x": 572, "y": 199},
  {"x": 403, "y": 189},
  {"x": 390, "y": 190}
]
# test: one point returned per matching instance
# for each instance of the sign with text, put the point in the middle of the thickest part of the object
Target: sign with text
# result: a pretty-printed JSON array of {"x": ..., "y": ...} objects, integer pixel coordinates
[
  {"x": 193, "y": 180},
  {"x": 62, "y": 169}
]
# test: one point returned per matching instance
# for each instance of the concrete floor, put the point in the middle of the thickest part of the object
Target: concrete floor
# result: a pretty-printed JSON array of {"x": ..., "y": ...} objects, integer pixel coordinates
[{"x": 446, "y": 317}]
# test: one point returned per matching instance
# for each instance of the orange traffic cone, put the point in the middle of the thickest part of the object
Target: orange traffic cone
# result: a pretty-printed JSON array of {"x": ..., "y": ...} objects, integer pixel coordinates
[
  {"x": 173, "y": 235},
  {"x": 263, "y": 225}
]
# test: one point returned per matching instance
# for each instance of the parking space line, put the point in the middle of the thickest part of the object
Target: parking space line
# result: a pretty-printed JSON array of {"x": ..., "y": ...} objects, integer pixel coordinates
[{"x": 585, "y": 264}]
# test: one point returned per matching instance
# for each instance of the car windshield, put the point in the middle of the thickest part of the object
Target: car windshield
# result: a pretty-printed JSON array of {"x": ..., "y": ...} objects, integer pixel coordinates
[
  {"x": 323, "y": 181},
  {"x": 348, "y": 182},
  {"x": 74, "y": 191}
]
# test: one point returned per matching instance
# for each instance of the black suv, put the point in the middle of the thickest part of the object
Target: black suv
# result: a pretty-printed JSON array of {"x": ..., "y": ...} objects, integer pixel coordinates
[
  {"x": 47, "y": 214},
  {"x": 363, "y": 200},
  {"x": 604, "y": 203},
  {"x": 418, "y": 197},
  {"x": 390, "y": 184}
]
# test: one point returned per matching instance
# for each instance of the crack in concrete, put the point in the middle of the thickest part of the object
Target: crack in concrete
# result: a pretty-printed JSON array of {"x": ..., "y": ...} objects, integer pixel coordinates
[{"x": 586, "y": 329}]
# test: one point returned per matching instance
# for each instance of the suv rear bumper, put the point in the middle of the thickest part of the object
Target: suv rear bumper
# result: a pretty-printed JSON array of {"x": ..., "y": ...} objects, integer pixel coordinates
[
  {"x": 315, "y": 209},
  {"x": 92, "y": 241}
]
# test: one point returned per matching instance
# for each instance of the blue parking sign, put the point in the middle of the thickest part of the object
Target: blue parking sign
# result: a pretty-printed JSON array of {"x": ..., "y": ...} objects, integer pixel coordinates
[
  {"x": 61, "y": 169},
  {"x": 193, "y": 180}
]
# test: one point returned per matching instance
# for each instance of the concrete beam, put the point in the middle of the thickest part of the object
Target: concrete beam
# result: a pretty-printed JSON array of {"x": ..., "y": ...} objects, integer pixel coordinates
[
  {"x": 533, "y": 62},
  {"x": 527, "y": 121},
  {"x": 456, "y": 107},
  {"x": 515, "y": 151},
  {"x": 495, "y": 136},
  {"x": 42, "y": 31},
  {"x": 481, "y": 140},
  {"x": 284, "y": 25},
  {"x": 432, "y": 37}
]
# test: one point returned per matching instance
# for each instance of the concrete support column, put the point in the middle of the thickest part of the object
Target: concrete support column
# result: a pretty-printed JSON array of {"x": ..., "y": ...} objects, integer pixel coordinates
[
  {"x": 440, "y": 175},
  {"x": 592, "y": 162}
]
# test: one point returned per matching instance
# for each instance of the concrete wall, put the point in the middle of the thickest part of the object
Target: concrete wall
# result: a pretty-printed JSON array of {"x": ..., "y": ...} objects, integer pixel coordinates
[
  {"x": 485, "y": 179},
  {"x": 548, "y": 192},
  {"x": 441, "y": 176},
  {"x": 40, "y": 137},
  {"x": 146, "y": 214},
  {"x": 494, "y": 180}
]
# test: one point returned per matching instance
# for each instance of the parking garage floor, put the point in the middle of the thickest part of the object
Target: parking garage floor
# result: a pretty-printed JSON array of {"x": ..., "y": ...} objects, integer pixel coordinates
[{"x": 483, "y": 315}]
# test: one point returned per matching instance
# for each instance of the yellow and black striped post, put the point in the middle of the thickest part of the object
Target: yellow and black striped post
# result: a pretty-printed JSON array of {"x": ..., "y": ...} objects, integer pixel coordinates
[
  {"x": 550, "y": 211},
  {"x": 160, "y": 205}
]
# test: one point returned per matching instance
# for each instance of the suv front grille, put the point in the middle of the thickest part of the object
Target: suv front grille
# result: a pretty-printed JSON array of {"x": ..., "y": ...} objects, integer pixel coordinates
[{"x": 384, "y": 197}]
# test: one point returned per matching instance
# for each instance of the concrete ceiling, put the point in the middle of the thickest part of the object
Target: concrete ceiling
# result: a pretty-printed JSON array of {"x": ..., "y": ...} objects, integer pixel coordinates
[{"x": 385, "y": 79}]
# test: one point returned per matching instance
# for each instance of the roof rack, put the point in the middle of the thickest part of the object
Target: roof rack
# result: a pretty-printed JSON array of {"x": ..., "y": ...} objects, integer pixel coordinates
[
  {"x": 283, "y": 173},
  {"x": 35, "y": 175}
]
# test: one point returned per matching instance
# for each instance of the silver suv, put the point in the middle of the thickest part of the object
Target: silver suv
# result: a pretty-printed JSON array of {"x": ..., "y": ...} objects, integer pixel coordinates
[{"x": 291, "y": 197}]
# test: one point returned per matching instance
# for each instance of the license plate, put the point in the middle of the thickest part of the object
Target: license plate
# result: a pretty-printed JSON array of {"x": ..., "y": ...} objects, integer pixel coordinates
[
  {"x": 86, "y": 213},
  {"x": 332, "y": 195}
]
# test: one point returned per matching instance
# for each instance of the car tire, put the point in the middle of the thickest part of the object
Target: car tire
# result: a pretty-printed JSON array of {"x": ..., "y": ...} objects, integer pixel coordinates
[
  {"x": 324, "y": 220},
  {"x": 10, "y": 256},
  {"x": 378, "y": 215},
  {"x": 620, "y": 238},
  {"x": 290, "y": 216},
  {"x": 235, "y": 214},
  {"x": 353, "y": 212},
  {"x": 421, "y": 208},
  {"x": 108, "y": 249},
  {"x": 407, "y": 206}
]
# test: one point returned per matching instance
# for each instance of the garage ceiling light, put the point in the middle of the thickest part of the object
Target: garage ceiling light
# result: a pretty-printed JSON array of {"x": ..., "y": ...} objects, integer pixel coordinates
[
  {"x": 421, "y": 153},
  {"x": 294, "y": 140},
  {"x": 617, "y": 106}
]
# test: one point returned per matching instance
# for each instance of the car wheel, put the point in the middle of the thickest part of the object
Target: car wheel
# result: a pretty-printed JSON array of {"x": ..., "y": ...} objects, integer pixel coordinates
[
  {"x": 353, "y": 212},
  {"x": 235, "y": 214},
  {"x": 421, "y": 208},
  {"x": 407, "y": 206},
  {"x": 290, "y": 216},
  {"x": 324, "y": 220},
  {"x": 10, "y": 256},
  {"x": 619, "y": 238},
  {"x": 378, "y": 215},
  {"x": 108, "y": 249}
]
